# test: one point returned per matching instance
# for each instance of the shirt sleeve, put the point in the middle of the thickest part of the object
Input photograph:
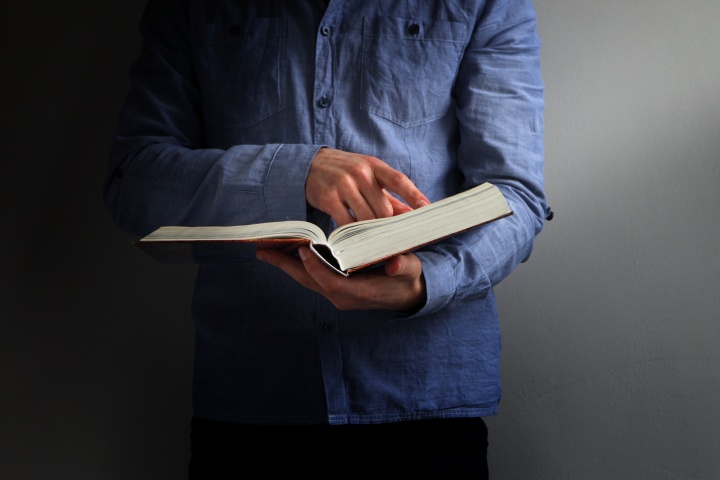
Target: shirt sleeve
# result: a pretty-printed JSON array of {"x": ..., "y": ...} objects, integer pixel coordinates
[
  {"x": 161, "y": 171},
  {"x": 499, "y": 94}
]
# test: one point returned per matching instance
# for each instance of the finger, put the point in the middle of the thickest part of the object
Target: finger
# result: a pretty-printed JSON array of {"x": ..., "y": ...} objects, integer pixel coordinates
[
  {"x": 322, "y": 276},
  {"x": 397, "y": 206},
  {"x": 364, "y": 195},
  {"x": 360, "y": 190},
  {"x": 378, "y": 199},
  {"x": 359, "y": 206},
  {"x": 346, "y": 203},
  {"x": 342, "y": 215},
  {"x": 386, "y": 206},
  {"x": 290, "y": 265},
  {"x": 403, "y": 265},
  {"x": 398, "y": 182}
]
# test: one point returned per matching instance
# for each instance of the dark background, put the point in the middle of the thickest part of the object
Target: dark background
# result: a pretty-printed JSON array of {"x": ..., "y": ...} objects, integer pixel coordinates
[{"x": 96, "y": 340}]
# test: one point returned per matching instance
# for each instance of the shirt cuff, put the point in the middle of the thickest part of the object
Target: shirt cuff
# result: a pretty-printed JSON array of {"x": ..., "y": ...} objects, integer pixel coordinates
[
  {"x": 285, "y": 186},
  {"x": 440, "y": 285}
]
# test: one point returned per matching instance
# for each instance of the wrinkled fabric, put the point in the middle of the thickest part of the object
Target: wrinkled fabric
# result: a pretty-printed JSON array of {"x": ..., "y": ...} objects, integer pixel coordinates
[{"x": 229, "y": 103}]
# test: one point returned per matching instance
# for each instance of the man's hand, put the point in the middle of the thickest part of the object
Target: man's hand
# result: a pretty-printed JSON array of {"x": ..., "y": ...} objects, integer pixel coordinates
[
  {"x": 350, "y": 186},
  {"x": 400, "y": 286}
]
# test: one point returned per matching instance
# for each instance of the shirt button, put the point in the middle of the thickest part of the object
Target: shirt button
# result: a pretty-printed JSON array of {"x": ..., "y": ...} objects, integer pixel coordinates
[
  {"x": 324, "y": 102},
  {"x": 414, "y": 29},
  {"x": 325, "y": 30},
  {"x": 328, "y": 328}
]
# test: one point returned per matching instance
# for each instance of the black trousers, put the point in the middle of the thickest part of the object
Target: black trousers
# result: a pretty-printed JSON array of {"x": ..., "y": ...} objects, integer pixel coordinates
[{"x": 426, "y": 449}]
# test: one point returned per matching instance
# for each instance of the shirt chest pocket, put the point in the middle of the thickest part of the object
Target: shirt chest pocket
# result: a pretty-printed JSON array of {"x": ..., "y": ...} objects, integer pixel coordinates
[
  {"x": 241, "y": 71},
  {"x": 409, "y": 68}
]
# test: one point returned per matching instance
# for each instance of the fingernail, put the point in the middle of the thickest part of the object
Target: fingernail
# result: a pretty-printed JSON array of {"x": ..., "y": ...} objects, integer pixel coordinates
[
  {"x": 262, "y": 256},
  {"x": 303, "y": 253}
]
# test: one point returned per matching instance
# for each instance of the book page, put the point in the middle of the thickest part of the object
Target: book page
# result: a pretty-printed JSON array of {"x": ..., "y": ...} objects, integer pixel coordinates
[
  {"x": 258, "y": 231},
  {"x": 363, "y": 242}
]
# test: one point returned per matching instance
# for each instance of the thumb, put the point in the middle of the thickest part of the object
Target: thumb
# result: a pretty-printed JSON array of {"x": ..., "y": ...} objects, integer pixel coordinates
[{"x": 403, "y": 265}]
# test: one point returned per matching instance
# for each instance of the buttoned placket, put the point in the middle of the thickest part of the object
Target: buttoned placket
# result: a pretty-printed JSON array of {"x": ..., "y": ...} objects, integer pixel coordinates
[
  {"x": 324, "y": 84},
  {"x": 324, "y": 134}
]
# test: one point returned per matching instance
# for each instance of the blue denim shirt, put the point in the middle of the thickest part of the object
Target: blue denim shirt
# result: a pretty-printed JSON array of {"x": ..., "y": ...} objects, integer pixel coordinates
[{"x": 229, "y": 103}]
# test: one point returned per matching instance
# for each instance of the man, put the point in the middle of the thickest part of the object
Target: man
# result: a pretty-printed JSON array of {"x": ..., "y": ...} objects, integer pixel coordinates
[{"x": 258, "y": 111}]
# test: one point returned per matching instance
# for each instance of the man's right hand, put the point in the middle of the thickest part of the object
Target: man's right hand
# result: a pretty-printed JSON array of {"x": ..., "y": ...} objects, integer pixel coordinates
[{"x": 351, "y": 186}]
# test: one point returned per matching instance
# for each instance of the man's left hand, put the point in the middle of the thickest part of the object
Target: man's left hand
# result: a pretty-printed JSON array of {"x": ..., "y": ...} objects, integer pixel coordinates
[{"x": 399, "y": 285}]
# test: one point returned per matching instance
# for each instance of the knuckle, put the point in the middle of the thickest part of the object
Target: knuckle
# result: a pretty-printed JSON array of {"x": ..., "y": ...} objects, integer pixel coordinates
[
  {"x": 373, "y": 160},
  {"x": 358, "y": 171},
  {"x": 343, "y": 183},
  {"x": 397, "y": 177}
]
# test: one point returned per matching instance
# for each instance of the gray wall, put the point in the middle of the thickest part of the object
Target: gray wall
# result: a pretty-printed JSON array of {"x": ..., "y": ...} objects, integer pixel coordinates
[
  {"x": 611, "y": 364},
  {"x": 612, "y": 329}
]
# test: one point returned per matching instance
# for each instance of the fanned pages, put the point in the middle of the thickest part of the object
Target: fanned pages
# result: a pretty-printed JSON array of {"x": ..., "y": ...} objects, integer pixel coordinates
[{"x": 348, "y": 248}]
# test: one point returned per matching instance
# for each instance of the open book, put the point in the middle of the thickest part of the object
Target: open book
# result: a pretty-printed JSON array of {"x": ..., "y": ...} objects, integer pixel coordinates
[{"x": 348, "y": 248}]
